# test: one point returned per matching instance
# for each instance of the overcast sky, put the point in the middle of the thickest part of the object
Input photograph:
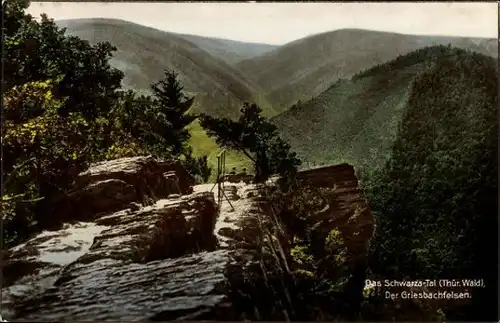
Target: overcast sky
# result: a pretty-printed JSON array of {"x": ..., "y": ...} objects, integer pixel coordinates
[{"x": 279, "y": 23}]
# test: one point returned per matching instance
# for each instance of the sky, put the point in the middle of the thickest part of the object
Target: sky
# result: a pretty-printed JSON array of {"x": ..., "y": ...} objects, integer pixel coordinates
[{"x": 279, "y": 23}]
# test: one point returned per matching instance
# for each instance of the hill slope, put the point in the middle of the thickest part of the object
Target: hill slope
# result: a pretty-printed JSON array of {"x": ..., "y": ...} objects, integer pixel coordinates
[
  {"x": 143, "y": 53},
  {"x": 438, "y": 196},
  {"x": 230, "y": 51},
  {"x": 356, "y": 120},
  {"x": 305, "y": 68}
]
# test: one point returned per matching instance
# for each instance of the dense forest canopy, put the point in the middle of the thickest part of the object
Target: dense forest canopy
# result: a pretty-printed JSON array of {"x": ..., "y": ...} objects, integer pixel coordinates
[{"x": 436, "y": 198}]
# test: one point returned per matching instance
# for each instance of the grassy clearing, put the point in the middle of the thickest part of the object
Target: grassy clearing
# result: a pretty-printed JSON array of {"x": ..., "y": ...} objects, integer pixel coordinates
[{"x": 204, "y": 145}]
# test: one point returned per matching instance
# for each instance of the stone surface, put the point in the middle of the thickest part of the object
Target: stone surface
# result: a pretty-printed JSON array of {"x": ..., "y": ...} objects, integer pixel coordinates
[
  {"x": 104, "y": 196},
  {"x": 131, "y": 257},
  {"x": 185, "y": 180},
  {"x": 347, "y": 209},
  {"x": 32, "y": 267},
  {"x": 107, "y": 289},
  {"x": 155, "y": 247},
  {"x": 172, "y": 180},
  {"x": 238, "y": 220},
  {"x": 112, "y": 185},
  {"x": 169, "y": 228},
  {"x": 145, "y": 245},
  {"x": 142, "y": 172}
]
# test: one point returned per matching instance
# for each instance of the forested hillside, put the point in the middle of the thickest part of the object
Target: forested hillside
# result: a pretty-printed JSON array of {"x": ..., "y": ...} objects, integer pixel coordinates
[
  {"x": 212, "y": 71},
  {"x": 356, "y": 120},
  {"x": 230, "y": 51},
  {"x": 143, "y": 53},
  {"x": 306, "y": 67},
  {"x": 436, "y": 198}
]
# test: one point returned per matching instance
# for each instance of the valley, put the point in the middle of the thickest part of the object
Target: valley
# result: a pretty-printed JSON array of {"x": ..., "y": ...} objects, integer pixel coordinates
[
  {"x": 338, "y": 119},
  {"x": 372, "y": 156}
]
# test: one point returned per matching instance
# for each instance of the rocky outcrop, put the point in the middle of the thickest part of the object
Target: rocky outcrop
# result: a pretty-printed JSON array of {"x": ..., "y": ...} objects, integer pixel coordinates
[
  {"x": 107, "y": 269},
  {"x": 347, "y": 209},
  {"x": 33, "y": 267},
  {"x": 167, "y": 229},
  {"x": 155, "y": 247},
  {"x": 185, "y": 181},
  {"x": 144, "y": 173},
  {"x": 172, "y": 181},
  {"x": 108, "y": 289},
  {"x": 110, "y": 186},
  {"x": 126, "y": 256},
  {"x": 240, "y": 212}
]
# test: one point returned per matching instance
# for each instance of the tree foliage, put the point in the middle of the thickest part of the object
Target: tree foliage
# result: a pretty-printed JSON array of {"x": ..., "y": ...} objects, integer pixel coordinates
[
  {"x": 257, "y": 138},
  {"x": 64, "y": 109},
  {"x": 436, "y": 199},
  {"x": 42, "y": 154},
  {"x": 35, "y": 51},
  {"x": 58, "y": 92},
  {"x": 170, "y": 114}
]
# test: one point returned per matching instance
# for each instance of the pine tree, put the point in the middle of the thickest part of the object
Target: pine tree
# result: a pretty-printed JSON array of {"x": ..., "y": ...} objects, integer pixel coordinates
[{"x": 172, "y": 105}]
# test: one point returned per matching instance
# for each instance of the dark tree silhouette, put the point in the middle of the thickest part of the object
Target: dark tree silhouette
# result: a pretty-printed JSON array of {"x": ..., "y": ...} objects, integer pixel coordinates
[{"x": 171, "y": 115}]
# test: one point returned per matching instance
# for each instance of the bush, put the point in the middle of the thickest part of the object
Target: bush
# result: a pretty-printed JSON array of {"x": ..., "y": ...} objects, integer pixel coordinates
[
  {"x": 198, "y": 167},
  {"x": 42, "y": 153}
]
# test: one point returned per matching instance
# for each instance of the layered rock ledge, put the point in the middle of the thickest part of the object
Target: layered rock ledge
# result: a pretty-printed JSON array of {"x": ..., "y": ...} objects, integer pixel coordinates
[{"x": 153, "y": 246}]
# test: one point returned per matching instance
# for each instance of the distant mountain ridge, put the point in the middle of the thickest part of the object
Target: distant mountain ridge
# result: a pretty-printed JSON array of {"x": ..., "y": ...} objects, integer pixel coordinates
[
  {"x": 352, "y": 88},
  {"x": 304, "y": 68},
  {"x": 144, "y": 53},
  {"x": 232, "y": 51},
  {"x": 224, "y": 73}
]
